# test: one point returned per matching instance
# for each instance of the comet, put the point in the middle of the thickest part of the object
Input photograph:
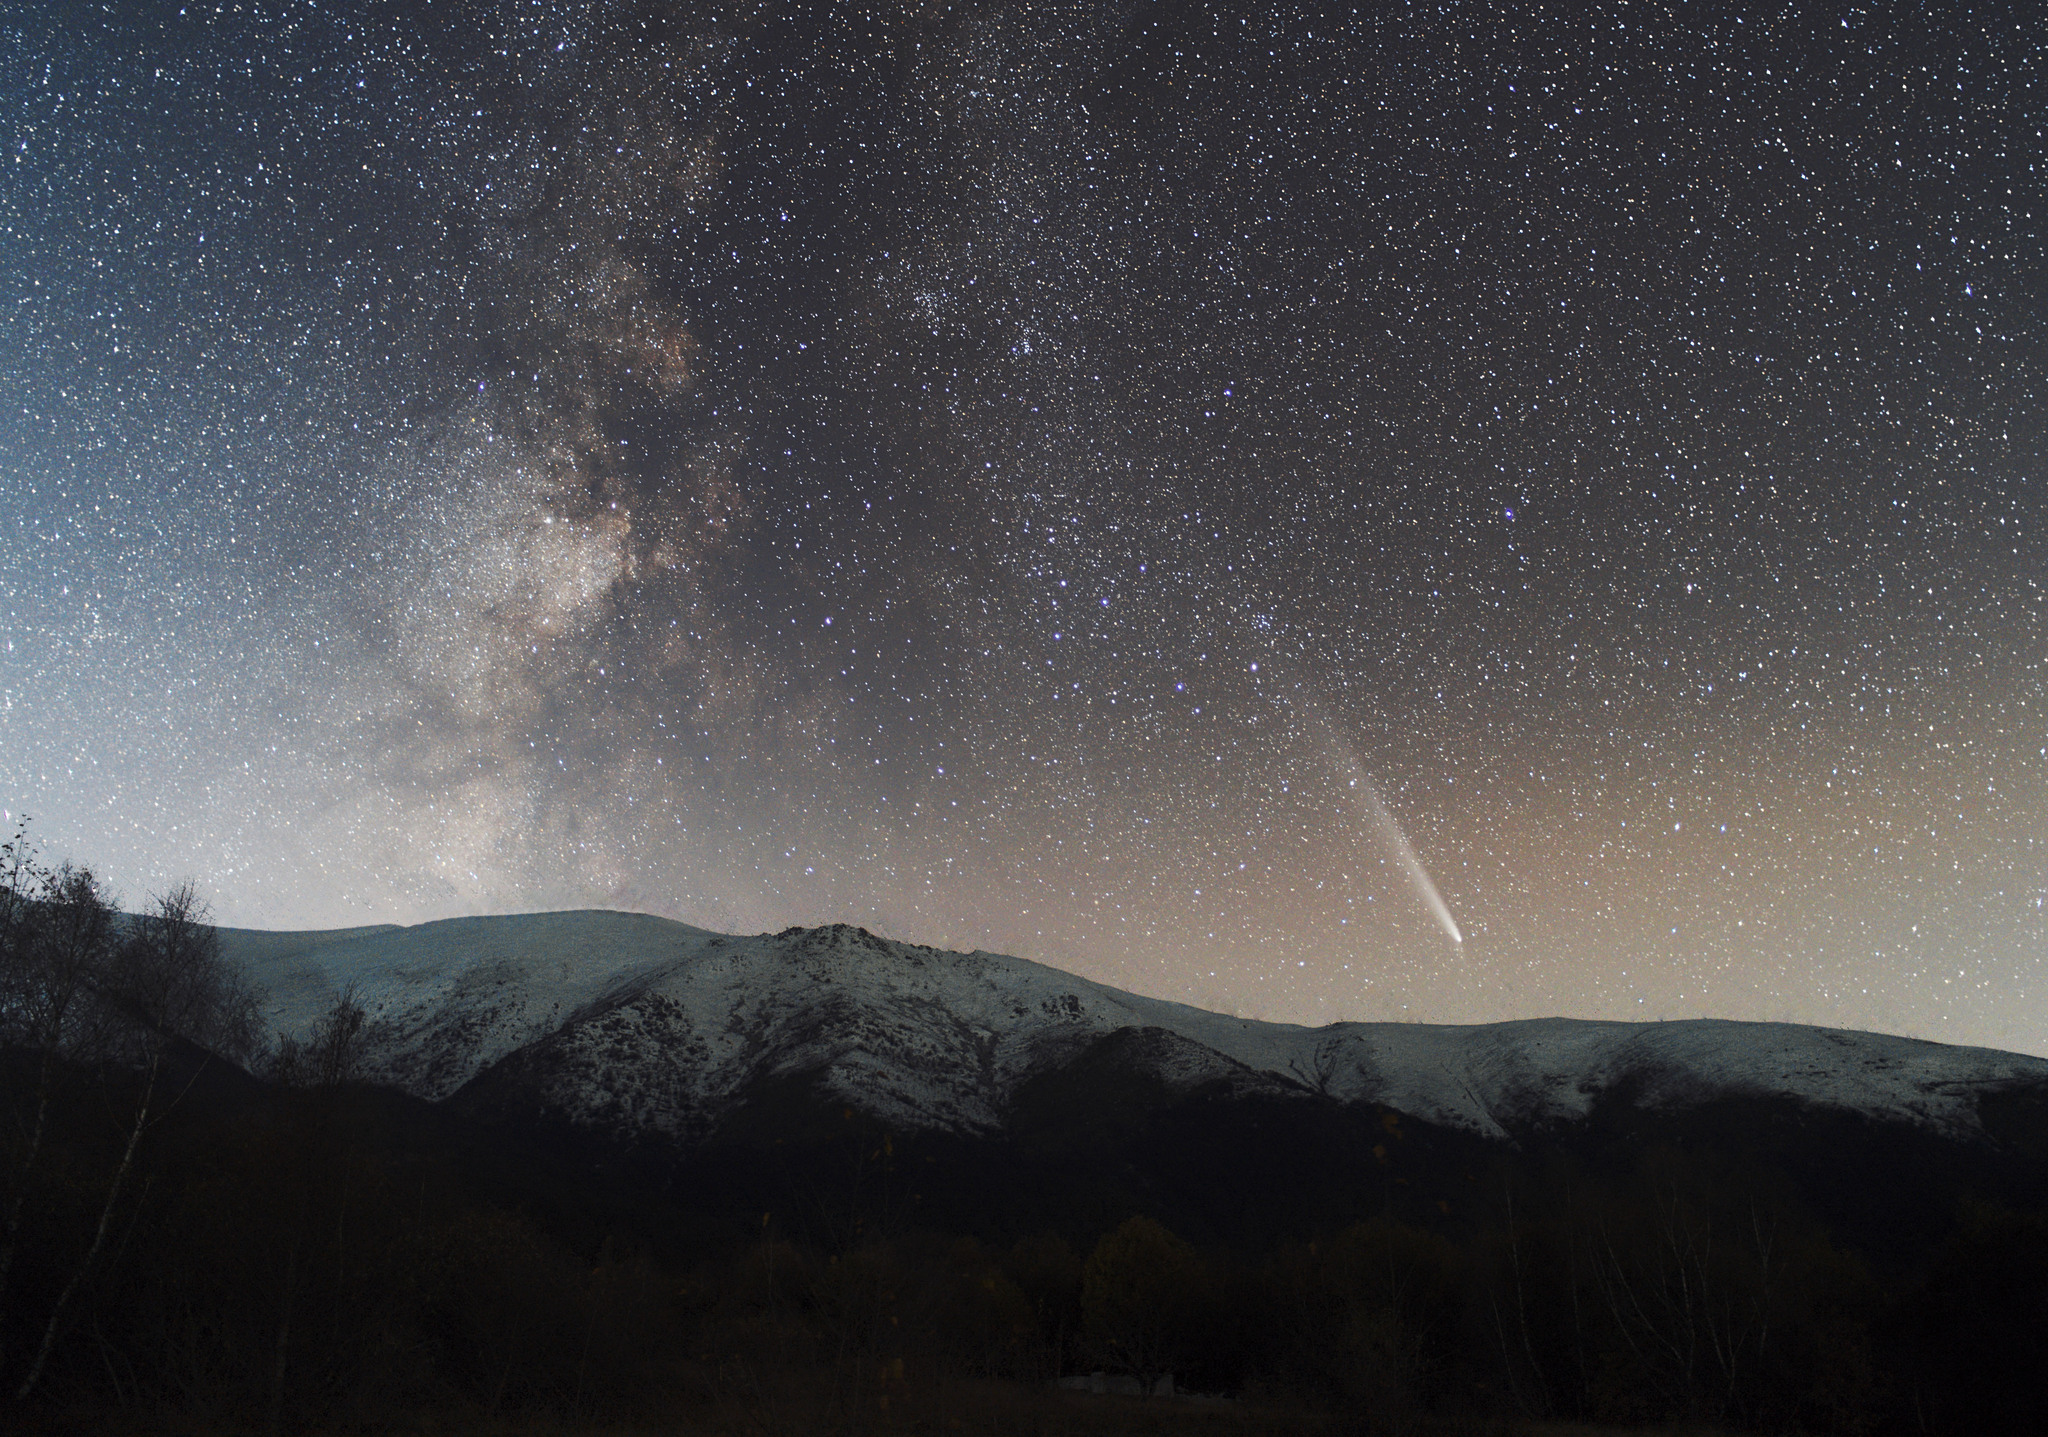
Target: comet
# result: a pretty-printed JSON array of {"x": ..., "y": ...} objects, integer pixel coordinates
[
  {"x": 1372, "y": 806},
  {"x": 1366, "y": 794}
]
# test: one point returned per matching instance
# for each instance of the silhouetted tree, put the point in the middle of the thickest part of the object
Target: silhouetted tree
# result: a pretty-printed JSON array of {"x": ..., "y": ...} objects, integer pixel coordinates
[
  {"x": 331, "y": 1054},
  {"x": 1136, "y": 1290},
  {"x": 57, "y": 936},
  {"x": 162, "y": 984}
]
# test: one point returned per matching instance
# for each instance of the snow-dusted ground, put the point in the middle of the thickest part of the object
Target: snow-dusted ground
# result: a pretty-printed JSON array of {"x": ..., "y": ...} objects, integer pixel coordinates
[{"x": 642, "y": 1024}]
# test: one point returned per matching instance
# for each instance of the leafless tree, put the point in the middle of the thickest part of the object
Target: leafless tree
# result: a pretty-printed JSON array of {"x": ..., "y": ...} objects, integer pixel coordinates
[
  {"x": 1328, "y": 1059},
  {"x": 169, "y": 982},
  {"x": 162, "y": 984},
  {"x": 57, "y": 933},
  {"x": 332, "y": 1054},
  {"x": 1688, "y": 1285}
]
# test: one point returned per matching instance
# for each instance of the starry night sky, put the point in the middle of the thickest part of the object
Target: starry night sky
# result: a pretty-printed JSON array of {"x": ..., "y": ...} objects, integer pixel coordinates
[{"x": 1090, "y": 482}]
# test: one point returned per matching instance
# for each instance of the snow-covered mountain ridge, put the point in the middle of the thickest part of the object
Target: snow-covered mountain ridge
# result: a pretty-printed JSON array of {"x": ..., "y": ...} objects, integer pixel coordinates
[{"x": 644, "y": 1027}]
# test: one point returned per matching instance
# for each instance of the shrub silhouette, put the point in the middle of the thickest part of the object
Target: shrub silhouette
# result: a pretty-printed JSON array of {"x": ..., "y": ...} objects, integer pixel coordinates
[{"x": 1138, "y": 1291}]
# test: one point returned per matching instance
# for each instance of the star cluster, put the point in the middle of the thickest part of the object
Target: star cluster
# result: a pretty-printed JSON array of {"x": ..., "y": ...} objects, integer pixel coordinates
[{"x": 1002, "y": 474}]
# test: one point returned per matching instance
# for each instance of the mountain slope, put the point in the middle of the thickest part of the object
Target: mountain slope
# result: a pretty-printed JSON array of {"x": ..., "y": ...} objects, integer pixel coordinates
[{"x": 642, "y": 1028}]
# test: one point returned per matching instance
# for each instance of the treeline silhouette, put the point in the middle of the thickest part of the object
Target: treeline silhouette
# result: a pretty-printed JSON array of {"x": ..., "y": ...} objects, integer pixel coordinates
[{"x": 208, "y": 1225}]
